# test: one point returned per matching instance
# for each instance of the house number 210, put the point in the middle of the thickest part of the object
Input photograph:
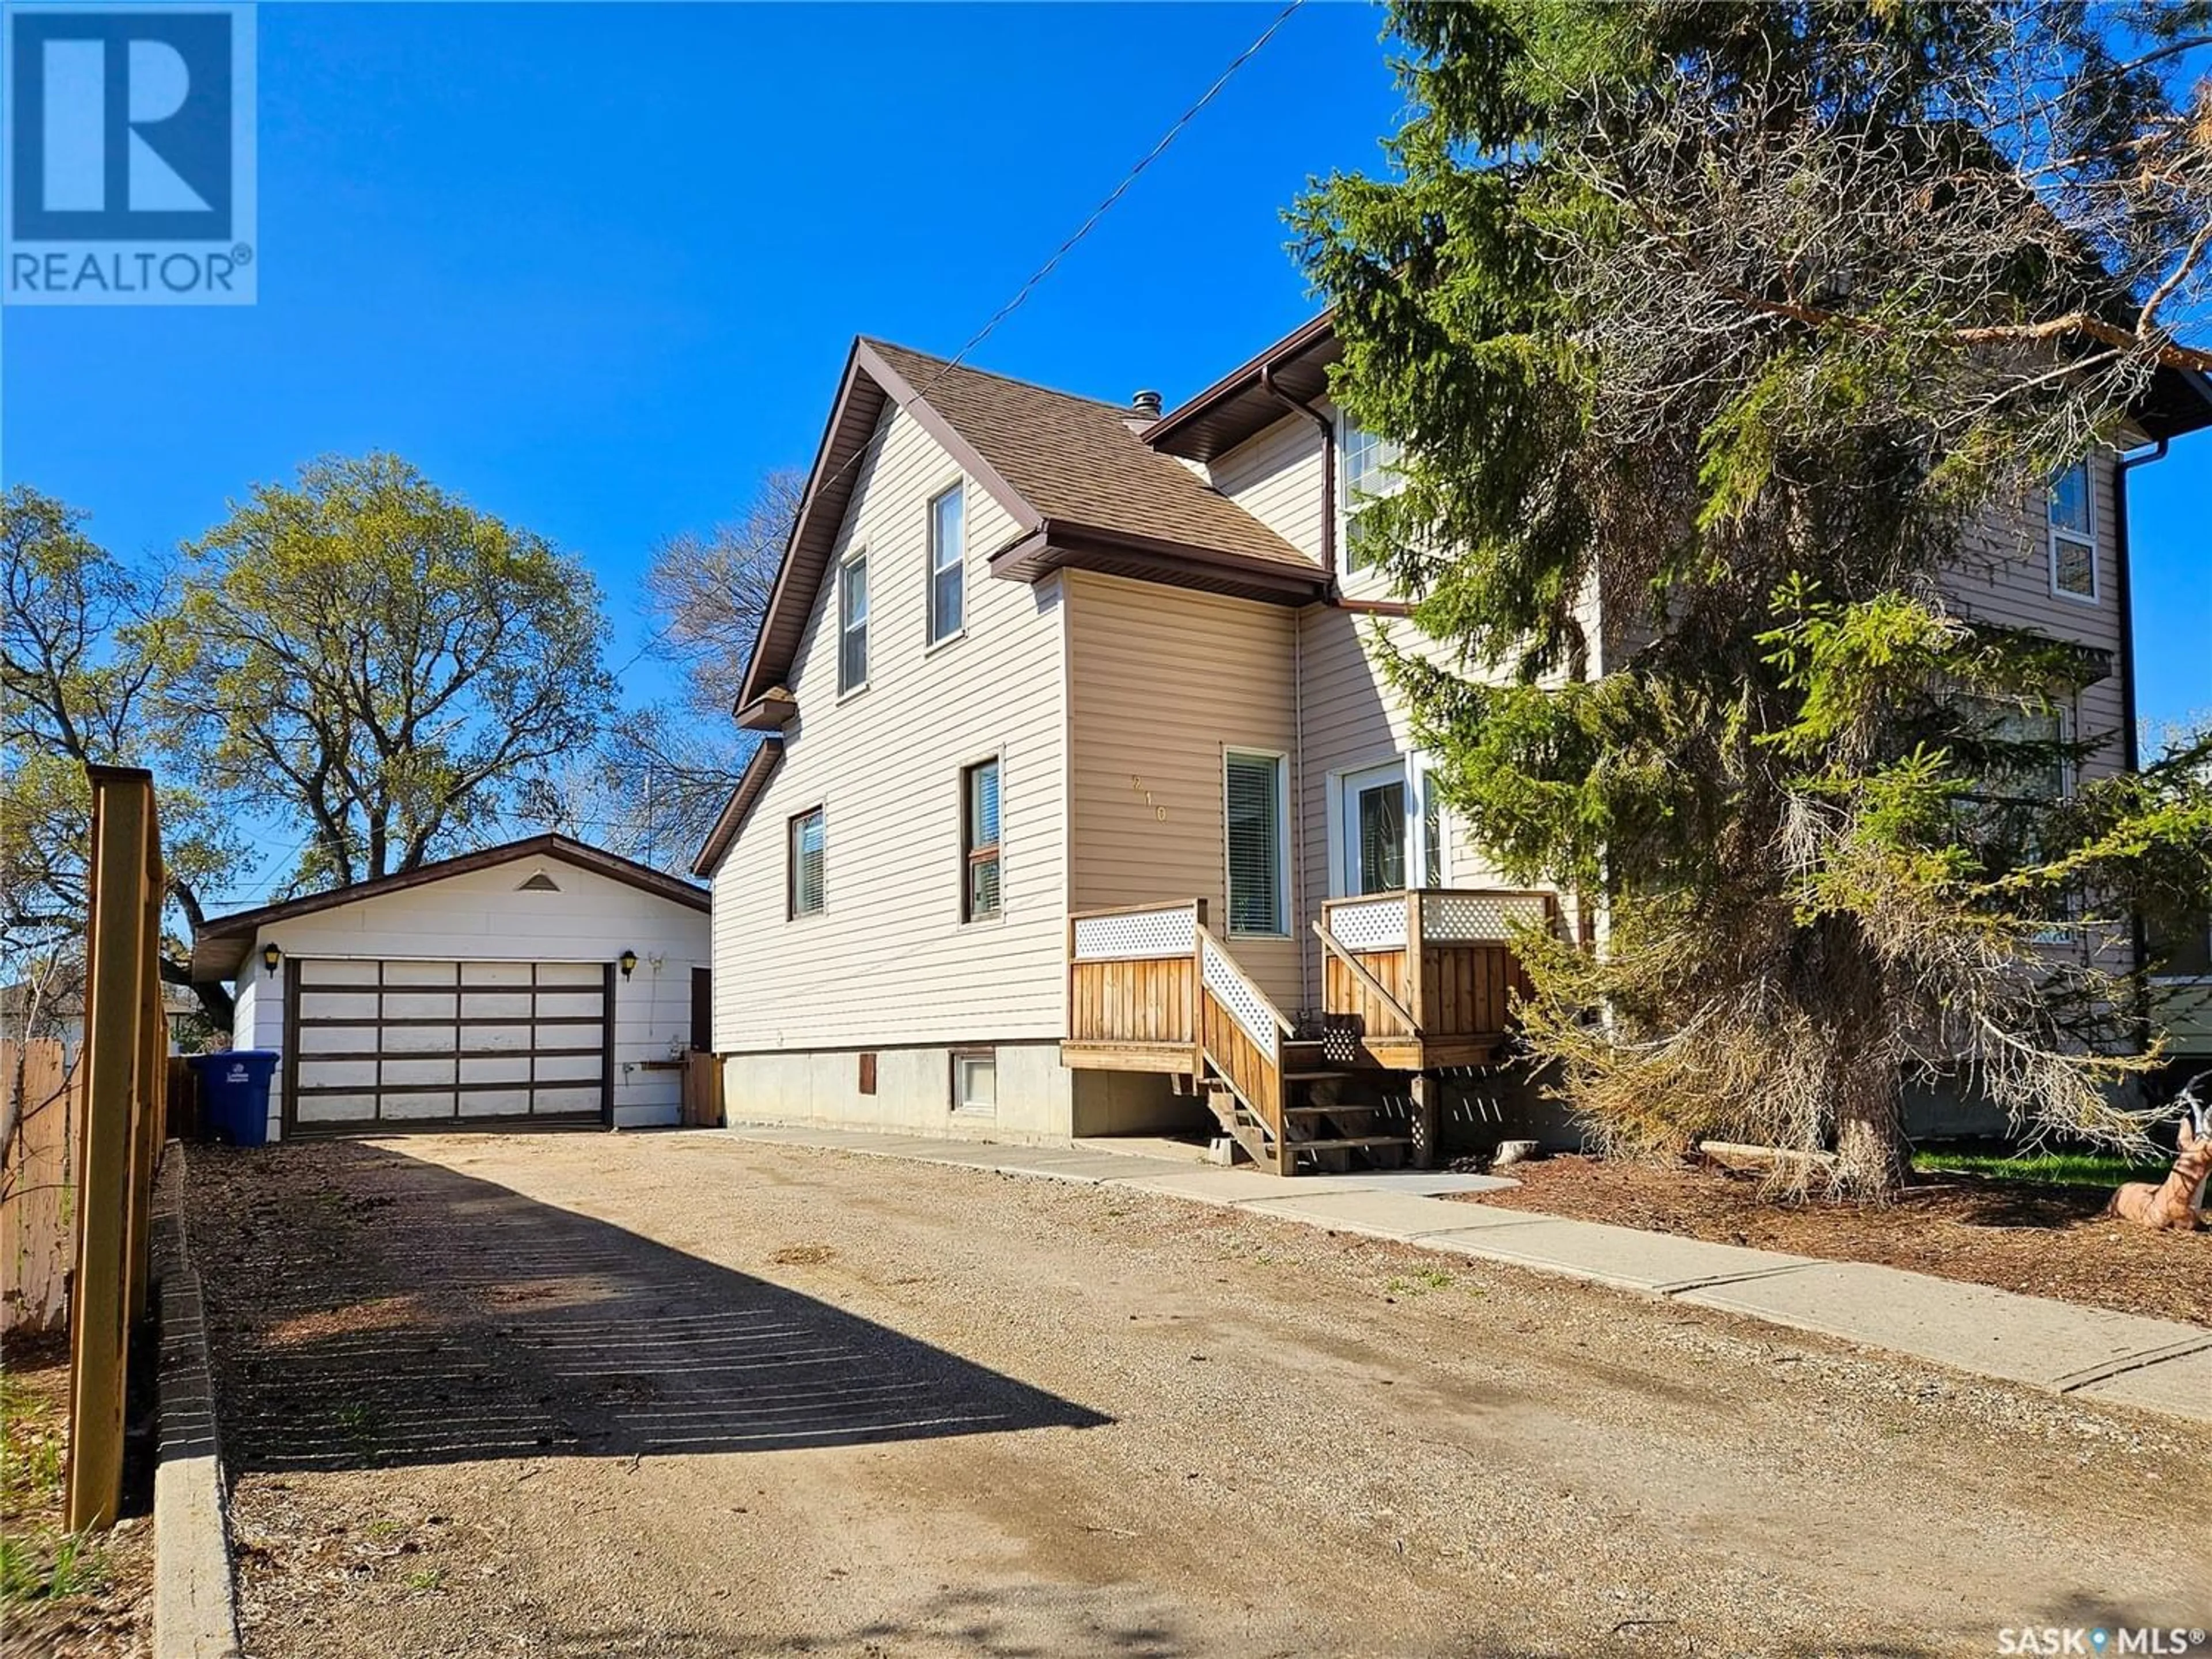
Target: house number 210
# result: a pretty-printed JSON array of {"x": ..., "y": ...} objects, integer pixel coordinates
[{"x": 1138, "y": 784}]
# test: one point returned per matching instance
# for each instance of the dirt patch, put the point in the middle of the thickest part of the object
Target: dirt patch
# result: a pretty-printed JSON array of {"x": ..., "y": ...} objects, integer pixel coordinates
[
  {"x": 1022, "y": 1417},
  {"x": 2018, "y": 1235},
  {"x": 64, "y": 1596},
  {"x": 805, "y": 1255}
]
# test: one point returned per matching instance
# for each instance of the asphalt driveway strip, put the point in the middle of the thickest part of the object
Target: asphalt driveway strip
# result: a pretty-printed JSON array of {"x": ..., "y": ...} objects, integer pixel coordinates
[{"x": 679, "y": 1394}]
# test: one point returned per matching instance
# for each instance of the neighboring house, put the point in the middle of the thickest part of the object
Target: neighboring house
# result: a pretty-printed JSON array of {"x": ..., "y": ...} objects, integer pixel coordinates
[
  {"x": 2183, "y": 987},
  {"x": 58, "y": 1013},
  {"x": 540, "y": 984},
  {"x": 1087, "y": 805}
]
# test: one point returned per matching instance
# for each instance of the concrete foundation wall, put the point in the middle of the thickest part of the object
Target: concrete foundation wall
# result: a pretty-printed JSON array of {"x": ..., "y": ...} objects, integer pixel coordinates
[
  {"x": 1136, "y": 1102},
  {"x": 1040, "y": 1100},
  {"x": 914, "y": 1092}
]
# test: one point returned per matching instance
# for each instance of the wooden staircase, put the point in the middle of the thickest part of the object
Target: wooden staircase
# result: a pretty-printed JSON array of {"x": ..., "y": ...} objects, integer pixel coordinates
[
  {"x": 1150, "y": 987},
  {"x": 1318, "y": 1134}
]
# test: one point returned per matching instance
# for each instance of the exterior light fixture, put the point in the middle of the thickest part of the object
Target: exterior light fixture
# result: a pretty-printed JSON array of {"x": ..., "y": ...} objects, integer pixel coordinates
[
  {"x": 270, "y": 956},
  {"x": 628, "y": 963}
]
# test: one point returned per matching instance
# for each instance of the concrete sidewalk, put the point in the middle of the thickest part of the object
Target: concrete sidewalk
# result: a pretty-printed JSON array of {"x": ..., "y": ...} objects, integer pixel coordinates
[{"x": 2154, "y": 1365}]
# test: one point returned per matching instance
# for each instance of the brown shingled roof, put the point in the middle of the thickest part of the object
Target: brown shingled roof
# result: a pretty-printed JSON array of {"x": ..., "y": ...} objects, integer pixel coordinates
[
  {"x": 1082, "y": 489},
  {"x": 1075, "y": 461}
]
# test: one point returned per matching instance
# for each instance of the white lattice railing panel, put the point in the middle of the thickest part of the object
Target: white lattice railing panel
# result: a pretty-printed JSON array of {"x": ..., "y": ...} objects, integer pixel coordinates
[
  {"x": 1135, "y": 934},
  {"x": 1464, "y": 918},
  {"x": 1246, "y": 1005},
  {"x": 1375, "y": 925}
]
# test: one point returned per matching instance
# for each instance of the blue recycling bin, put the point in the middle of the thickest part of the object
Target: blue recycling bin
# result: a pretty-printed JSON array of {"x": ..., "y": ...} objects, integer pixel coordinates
[{"x": 235, "y": 1094}]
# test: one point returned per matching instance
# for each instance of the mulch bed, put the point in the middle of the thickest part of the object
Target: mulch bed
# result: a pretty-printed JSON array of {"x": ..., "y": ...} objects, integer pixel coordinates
[
  {"x": 106, "y": 1609},
  {"x": 2019, "y": 1235}
]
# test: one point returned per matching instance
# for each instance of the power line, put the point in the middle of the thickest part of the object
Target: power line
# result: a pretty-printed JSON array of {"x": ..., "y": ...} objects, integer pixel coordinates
[
  {"x": 1129, "y": 178},
  {"x": 1037, "y": 278}
]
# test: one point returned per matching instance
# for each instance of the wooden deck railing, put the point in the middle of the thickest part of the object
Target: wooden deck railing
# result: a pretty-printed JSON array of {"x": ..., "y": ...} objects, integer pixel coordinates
[
  {"x": 1428, "y": 965},
  {"x": 1133, "y": 976},
  {"x": 1150, "y": 987}
]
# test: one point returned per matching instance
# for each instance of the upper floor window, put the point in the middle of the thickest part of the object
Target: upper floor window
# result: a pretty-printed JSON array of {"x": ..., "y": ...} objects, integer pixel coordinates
[
  {"x": 978, "y": 839},
  {"x": 852, "y": 624},
  {"x": 809, "y": 847},
  {"x": 1369, "y": 464},
  {"x": 1254, "y": 801},
  {"x": 2073, "y": 533},
  {"x": 948, "y": 569}
]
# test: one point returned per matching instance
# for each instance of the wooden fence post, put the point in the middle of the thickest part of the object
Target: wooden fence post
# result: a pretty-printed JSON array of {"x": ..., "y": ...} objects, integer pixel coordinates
[
  {"x": 149, "y": 1077},
  {"x": 110, "y": 1272}
]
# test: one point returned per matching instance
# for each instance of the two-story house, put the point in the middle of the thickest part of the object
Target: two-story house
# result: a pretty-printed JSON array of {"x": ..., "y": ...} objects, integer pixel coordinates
[{"x": 1084, "y": 805}]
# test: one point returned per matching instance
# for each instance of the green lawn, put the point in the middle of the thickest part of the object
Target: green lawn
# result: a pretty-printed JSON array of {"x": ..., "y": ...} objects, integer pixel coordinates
[{"x": 2058, "y": 1168}]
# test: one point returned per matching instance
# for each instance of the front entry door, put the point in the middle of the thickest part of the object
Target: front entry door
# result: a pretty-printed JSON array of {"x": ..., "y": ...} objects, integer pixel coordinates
[{"x": 1374, "y": 820}]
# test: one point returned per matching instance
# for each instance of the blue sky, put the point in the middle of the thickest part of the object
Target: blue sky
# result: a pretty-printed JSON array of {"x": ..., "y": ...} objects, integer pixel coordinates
[{"x": 595, "y": 267}]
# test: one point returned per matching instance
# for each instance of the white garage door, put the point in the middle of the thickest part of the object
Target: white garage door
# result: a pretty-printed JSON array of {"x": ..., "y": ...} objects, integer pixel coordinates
[{"x": 429, "y": 1045}]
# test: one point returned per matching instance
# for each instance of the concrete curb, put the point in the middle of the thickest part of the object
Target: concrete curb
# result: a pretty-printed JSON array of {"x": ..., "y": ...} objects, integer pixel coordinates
[
  {"x": 2092, "y": 1355},
  {"x": 195, "y": 1606}
]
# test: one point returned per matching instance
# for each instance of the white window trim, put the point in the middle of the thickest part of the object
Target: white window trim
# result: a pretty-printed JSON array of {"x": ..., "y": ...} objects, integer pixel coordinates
[
  {"x": 1371, "y": 578},
  {"x": 1339, "y": 840},
  {"x": 955, "y": 1105},
  {"x": 933, "y": 640},
  {"x": 1282, "y": 760},
  {"x": 994, "y": 758},
  {"x": 858, "y": 555},
  {"x": 792, "y": 913},
  {"x": 1419, "y": 765},
  {"x": 2055, "y": 535}
]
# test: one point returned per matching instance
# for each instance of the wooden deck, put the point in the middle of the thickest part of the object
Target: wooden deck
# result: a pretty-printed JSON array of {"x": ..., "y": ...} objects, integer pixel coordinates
[
  {"x": 1423, "y": 979},
  {"x": 1412, "y": 982}
]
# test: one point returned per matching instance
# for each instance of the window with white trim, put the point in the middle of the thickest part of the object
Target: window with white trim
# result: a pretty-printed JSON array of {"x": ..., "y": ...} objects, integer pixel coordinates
[
  {"x": 1432, "y": 830},
  {"x": 979, "y": 841},
  {"x": 809, "y": 846},
  {"x": 1254, "y": 802},
  {"x": 948, "y": 564},
  {"x": 975, "y": 1081},
  {"x": 2073, "y": 533},
  {"x": 1368, "y": 467},
  {"x": 852, "y": 624}
]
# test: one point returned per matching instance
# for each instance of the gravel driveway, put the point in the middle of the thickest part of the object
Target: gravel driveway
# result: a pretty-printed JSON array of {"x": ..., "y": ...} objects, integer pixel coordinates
[{"x": 676, "y": 1393}]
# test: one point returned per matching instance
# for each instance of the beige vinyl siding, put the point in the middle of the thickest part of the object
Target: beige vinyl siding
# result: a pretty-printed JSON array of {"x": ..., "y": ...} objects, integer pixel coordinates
[
  {"x": 1276, "y": 476},
  {"x": 1162, "y": 681},
  {"x": 1350, "y": 716},
  {"x": 887, "y": 961},
  {"x": 2003, "y": 576}
]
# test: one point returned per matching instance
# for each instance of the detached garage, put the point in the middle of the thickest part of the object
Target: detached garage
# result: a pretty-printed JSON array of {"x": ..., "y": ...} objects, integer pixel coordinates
[{"x": 544, "y": 984}]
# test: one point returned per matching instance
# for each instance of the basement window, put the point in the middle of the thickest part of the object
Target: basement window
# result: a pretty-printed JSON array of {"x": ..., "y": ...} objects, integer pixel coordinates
[{"x": 975, "y": 1082}]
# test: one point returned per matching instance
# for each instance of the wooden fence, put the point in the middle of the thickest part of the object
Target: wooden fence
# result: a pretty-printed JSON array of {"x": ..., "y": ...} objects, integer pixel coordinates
[
  {"x": 38, "y": 1209},
  {"x": 123, "y": 1075}
]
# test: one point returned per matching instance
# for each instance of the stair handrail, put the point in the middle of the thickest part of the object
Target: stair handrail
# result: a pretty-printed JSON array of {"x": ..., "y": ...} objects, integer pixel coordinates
[
  {"x": 1211, "y": 949},
  {"x": 1374, "y": 987}
]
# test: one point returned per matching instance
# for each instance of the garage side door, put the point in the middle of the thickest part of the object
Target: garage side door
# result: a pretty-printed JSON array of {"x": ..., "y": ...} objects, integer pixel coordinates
[{"x": 392, "y": 1046}]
